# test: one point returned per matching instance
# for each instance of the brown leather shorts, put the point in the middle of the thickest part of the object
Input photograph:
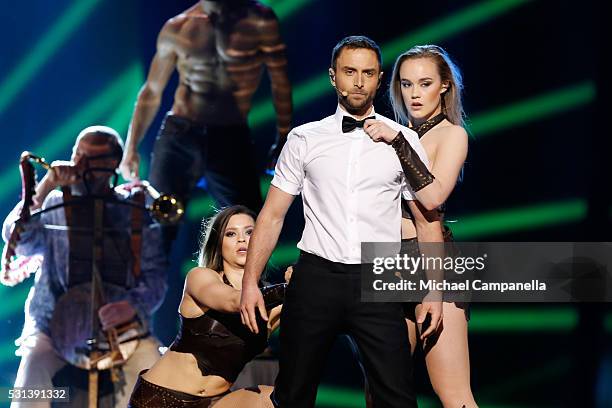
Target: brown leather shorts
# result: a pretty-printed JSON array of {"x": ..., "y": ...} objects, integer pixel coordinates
[{"x": 149, "y": 395}]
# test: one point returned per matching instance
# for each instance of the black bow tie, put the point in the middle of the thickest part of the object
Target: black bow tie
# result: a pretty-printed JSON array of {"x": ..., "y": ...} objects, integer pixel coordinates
[{"x": 349, "y": 123}]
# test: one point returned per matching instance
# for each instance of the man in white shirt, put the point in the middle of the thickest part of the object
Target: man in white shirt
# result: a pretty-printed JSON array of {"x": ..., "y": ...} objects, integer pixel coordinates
[{"x": 351, "y": 183}]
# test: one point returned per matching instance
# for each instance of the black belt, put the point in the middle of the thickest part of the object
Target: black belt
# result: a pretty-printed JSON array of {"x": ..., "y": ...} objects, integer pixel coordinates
[{"x": 336, "y": 267}]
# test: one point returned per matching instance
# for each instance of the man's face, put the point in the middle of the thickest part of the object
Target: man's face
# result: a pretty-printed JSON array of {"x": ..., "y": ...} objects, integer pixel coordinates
[
  {"x": 89, "y": 152},
  {"x": 358, "y": 73}
]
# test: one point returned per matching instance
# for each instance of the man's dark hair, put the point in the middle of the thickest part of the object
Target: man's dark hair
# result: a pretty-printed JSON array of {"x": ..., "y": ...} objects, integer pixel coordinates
[{"x": 353, "y": 42}]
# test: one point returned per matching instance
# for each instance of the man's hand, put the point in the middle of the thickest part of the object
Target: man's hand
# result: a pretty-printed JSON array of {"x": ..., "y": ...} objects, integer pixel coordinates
[
  {"x": 250, "y": 299},
  {"x": 434, "y": 310},
  {"x": 379, "y": 131},
  {"x": 129, "y": 165},
  {"x": 288, "y": 273},
  {"x": 115, "y": 314},
  {"x": 62, "y": 173}
]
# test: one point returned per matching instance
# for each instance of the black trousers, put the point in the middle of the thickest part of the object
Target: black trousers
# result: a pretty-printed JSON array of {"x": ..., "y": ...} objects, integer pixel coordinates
[
  {"x": 186, "y": 151},
  {"x": 323, "y": 301}
]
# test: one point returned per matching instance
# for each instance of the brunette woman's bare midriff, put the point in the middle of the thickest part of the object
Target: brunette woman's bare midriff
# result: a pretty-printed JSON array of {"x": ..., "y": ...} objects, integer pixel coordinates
[{"x": 180, "y": 371}]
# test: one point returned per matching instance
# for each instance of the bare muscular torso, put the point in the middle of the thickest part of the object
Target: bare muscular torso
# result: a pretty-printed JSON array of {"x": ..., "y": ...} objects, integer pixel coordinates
[{"x": 219, "y": 63}]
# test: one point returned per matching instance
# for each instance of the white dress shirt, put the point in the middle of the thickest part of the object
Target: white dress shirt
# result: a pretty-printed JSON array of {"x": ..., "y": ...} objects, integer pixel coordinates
[{"x": 350, "y": 185}]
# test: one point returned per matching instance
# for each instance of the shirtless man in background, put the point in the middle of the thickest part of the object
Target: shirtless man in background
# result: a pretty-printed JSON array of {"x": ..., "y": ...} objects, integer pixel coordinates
[{"x": 219, "y": 49}]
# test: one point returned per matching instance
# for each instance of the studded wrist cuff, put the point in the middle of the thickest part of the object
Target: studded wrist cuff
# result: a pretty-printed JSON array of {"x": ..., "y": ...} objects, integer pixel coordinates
[{"x": 417, "y": 174}]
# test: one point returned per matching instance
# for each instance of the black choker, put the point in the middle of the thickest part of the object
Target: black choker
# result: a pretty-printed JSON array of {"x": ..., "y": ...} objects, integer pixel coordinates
[{"x": 428, "y": 124}]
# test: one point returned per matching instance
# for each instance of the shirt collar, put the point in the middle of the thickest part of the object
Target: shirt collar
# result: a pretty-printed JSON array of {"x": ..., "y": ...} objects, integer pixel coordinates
[{"x": 340, "y": 112}]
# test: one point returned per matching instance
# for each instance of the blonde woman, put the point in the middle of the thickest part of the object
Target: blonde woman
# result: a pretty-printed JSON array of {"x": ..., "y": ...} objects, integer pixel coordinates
[{"x": 425, "y": 93}]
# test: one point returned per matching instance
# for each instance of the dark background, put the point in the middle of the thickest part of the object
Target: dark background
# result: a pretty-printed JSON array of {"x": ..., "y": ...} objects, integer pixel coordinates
[{"x": 537, "y": 168}]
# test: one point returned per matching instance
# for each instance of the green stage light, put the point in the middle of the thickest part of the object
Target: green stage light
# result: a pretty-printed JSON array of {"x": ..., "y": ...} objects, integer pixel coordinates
[
  {"x": 263, "y": 111},
  {"x": 7, "y": 352},
  {"x": 264, "y": 185},
  {"x": 608, "y": 323},
  {"x": 285, "y": 8},
  {"x": 284, "y": 255},
  {"x": 44, "y": 50},
  {"x": 523, "y": 320},
  {"x": 201, "y": 207},
  {"x": 340, "y": 397},
  {"x": 469, "y": 226},
  {"x": 532, "y": 109},
  {"x": 519, "y": 219},
  {"x": 120, "y": 121},
  {"x": 13, "y": 299},
  {"x": 120, "y": 118},
  {"x": 187, "y": 266},
  {"x": 124, "y": 87},
  {"x": 451, "y": 25}
]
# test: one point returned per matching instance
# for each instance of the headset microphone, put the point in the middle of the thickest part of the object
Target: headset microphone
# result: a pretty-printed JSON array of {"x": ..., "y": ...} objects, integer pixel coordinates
[{"x": 343, "y": 93}]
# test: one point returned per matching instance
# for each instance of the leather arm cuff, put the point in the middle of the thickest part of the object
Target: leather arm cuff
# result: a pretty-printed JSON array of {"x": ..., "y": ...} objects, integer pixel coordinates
[{"x": 417, "y": 174}]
